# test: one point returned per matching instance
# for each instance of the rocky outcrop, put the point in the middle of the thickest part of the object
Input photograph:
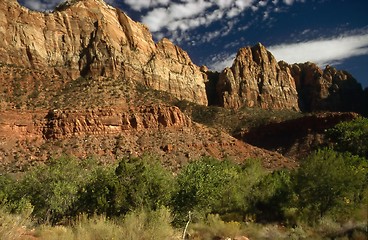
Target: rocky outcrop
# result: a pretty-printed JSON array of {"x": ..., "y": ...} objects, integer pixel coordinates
[
  {"x": 33, "y": 137},
  {"x": 66, "y": 123},
  {"x": 326, "y": 90},
  {"x": 91, "y": 38},
  {"x": 256, "y": 80}
]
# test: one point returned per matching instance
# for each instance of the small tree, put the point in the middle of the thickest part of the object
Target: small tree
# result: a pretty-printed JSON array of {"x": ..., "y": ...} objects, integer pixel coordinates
[
  {"x": 330, "y": 182},
  {"x": 53, "y": 189},
  {"x": 146, "y": 183},
  {"x": 212, "y": 186},
  {"x": 351, "y": 136}
]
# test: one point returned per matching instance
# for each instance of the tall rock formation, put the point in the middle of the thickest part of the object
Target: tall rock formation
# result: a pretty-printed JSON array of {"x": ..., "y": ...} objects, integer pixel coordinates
[
  {"x": 327, "y": 90},
  {"x": 256, "y": 80},
  {"x": 90, "y": 38}
]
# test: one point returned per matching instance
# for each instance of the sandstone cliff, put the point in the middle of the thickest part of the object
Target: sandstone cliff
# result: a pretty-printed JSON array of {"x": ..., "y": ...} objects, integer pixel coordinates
[
  {"x": 256, "y": 79},
  {"x": 91, "y": 38},
  {"x": 82, "y": 80},
  {"x": 327, "y": 90}
]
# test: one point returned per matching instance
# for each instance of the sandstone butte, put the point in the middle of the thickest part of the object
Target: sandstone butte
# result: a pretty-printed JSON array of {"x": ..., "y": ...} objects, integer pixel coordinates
[{"x": 52, "y": 60}]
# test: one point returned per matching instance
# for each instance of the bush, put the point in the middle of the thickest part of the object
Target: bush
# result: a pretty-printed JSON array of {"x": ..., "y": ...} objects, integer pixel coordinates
[
  {"x": 211, "y": 186},
  {"x": 272, "y": 196},
  {"x": 331, "y": 183},
  {"x": 146, "y": 182},
  {"x": 53, "y": 189},
  {"x": 97, "y": 197},
  {"x": 351, "y": 136}
]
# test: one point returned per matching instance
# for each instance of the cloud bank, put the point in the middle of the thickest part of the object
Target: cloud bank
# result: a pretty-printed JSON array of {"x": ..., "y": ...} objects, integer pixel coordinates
[{"x": 324, "y": 51}]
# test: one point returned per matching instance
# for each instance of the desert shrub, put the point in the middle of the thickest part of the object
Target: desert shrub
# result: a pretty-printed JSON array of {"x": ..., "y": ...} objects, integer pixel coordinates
[
  {"x": 99, "y": 194},
  {"x": 146, "y": 182},
  {"x": 134, "y": 183},
  {"x": 53, "y": 189},
  {"x": 213, "y": 227},
  {"x": 6, "y": 186},
  {"x": 351, "y": 136},
  {"x": 211, "y": 186},
  {"x": 329, "y": 182},
  {"x": 272, "y": 196},
  {"x": 139, "y": 224}
]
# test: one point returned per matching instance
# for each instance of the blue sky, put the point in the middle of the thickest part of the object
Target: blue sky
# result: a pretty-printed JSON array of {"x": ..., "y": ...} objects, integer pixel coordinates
[{"x": 333, "y": 32}]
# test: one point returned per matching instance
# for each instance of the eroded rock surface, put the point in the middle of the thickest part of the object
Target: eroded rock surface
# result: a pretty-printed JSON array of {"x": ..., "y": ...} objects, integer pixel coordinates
[
  {"x": 91, "y": 38},
  {"x": 31, "y": 138},
  {"x": 256, "y": 80}
]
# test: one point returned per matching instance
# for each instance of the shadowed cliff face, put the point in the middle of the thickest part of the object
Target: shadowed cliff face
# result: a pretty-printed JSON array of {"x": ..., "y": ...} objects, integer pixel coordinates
[
  {"x": 328, "y": 89},
  {"x": 296, "y": 138},
  {"x": 90, "y": 38}
]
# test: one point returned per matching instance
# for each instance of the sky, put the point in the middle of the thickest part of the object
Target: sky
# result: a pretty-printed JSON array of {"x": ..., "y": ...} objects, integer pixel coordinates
[{"x": 326, "y": 32}]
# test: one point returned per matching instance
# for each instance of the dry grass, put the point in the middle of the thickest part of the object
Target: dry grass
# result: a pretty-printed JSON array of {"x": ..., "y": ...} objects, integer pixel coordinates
[
  {"x": 138, "y": 225},
  {"x": 14, "y": 227}
]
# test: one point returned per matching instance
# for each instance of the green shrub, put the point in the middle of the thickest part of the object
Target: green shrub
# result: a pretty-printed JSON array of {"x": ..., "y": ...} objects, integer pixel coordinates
[
  {"x": 272, "y": 196},
  {"x": 53, "y": 189},
  {"x": 331, "y": 183},
  {"x": 211, "y": 186},
  {"x": 100, "y": 193},
  {"x": 146, "y": 182},
  {"x": 351, "y": 136}
]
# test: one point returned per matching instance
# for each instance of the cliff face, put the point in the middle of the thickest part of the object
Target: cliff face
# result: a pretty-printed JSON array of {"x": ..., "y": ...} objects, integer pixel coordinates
[
  {"x": 327, "y": 90},
  {"x": 256, "y": 79},
  {"x": 90, "y": 38},
  {"x": 41, "y": 53},
  {"x": 62, "y": 124},
  {"x": 298, "y": 137}
]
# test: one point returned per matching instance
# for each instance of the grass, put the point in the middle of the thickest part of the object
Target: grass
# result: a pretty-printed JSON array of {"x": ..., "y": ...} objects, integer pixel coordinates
[
  {"x": 13, "y": 226},
  {"x": 152, "y": 225},
  {"x": 137, "y": 225}
]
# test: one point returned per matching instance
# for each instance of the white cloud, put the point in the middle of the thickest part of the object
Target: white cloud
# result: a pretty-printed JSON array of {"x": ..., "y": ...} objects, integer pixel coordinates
[
  {"x": 139, "y": 5},
  {"x": 221, "y": 61},
  {"x": 168, "y": 17},
  {"x": 288, "y": 2},
  {"x": 40, "y": 5},
  {"x": 178, "y": 18},
  {"x": 322, "y": 51},
  {"x": 46, "y": 5}
]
